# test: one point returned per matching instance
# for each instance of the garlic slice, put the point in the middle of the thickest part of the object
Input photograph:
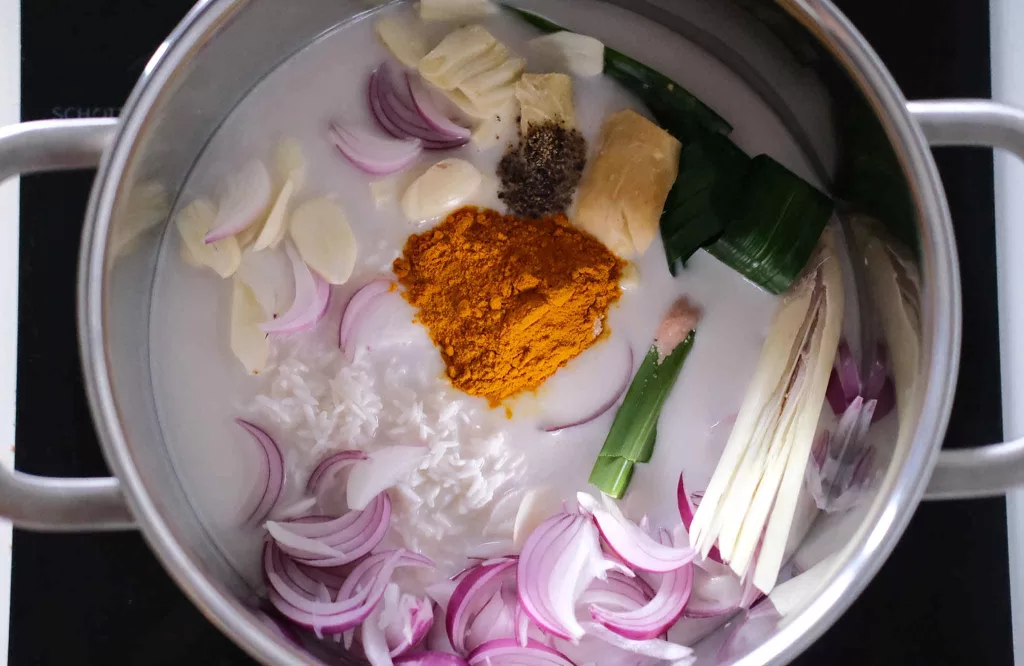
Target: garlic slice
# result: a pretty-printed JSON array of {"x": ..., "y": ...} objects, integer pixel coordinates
[
  {"x": 404, "y": 40},
  {"x": 441, "y": 189},
  {"x": 752, "y": 498},
  {"x": 276, "y": 226},
  {"x": 569, "y": 52},
  {"x": 268, "y": 274},
  {"x": 456, "y": 10},
  {"x": 249, "y": 344},
  {"x": 290, "y": 163},
  {"x": 544, "y": 97},
  {"x": 194, "y": 221},
  {"x": 243, "y": 201},
  {"x": 324, "y": 239},
  {"x": 460, "y": 55}
]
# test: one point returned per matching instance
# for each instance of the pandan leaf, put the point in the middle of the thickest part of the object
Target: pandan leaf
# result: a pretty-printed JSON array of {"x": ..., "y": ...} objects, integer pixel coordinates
[
  {"x": 634, "y": 430},
  {"x": 700, "y": 202},
  {"x": 774, "y": 226}
]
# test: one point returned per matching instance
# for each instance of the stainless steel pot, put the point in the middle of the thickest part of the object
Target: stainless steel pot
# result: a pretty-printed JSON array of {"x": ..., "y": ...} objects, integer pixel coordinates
[{"x": 224, "y": 47}]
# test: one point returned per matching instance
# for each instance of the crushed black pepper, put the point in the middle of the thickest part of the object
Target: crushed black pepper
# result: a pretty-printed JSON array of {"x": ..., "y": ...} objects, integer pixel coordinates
[{"x": 539, "y": 174}]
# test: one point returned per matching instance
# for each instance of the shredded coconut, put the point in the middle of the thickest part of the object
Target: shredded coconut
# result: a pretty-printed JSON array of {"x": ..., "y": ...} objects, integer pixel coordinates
[{"x": 319, "y": 402}]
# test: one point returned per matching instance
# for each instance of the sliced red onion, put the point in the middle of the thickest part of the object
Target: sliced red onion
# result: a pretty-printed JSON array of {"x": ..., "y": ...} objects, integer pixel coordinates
[
  {"x": 885, "y": 401},
  {"x": 621, "y": 368},
  {"x": 716, "y": 591},
  {"x": 300, "y": 546},
  {"x": 495, "y": 620},
  {"x": 278, "y": 627},
  {"x": 431, "y": 659},
  {"x": 386, "y": 321},
  {"x": 274, "y": 560},
  {"x": 356, "y": 306},
  {"x": 329, "y": 467},
  {"x": 405, "y": 632},
  {"x": 507, "y": 652},
  {"x": 374, "y": 642},
  {"x": 634, "y": 546},
  {"x": 244, "y": 200},
  {"x": 655, "y": 648},
  {"x": 846, "y": 372},
  {"x": 431, "y": 112},
  {"x": 350, "y": 609},
  {"x": 618, "y": 592},
  {"x": 654, "y": 618},
  {"x": 558, "y": 562},
  {"x": 470, "y": 596},
  {"x": 756, "y": 627},
  {"x": 374, "y": 154},
  {"x": 522, "y": 620},
  {"x": 339, "y": 541},
  {"x": 394, "y": 106},
  {"x": 834, "y": 393},
  {"x": 877, "y": 374},
  {"x": 442, "y": 592},
  {"x": 845, "y": 382},
  {"x": 367, "y": 570},
  {"x": 312, "y": 298},
  {"x": 271, "y": 477},
  {"x": 687, "y": 508},
  {"x": 381, "y": 470}
]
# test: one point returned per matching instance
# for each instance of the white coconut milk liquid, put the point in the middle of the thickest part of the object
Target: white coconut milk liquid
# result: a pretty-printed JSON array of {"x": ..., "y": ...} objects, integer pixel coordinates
[{"x": 200, "y": 386}]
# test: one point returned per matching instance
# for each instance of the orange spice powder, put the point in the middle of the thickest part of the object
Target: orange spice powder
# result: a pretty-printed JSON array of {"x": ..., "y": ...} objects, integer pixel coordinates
[{"x": 508, "y": 300}]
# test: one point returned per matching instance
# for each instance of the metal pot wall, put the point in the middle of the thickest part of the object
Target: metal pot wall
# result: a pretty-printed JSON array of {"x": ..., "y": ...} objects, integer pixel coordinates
[{"x": 224, "y": 47}]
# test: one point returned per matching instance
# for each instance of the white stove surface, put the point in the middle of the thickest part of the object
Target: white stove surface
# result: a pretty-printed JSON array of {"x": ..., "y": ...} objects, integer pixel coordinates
[
  {"x": 10, "y": 112},
  {"x": 1007, "y": 18}
]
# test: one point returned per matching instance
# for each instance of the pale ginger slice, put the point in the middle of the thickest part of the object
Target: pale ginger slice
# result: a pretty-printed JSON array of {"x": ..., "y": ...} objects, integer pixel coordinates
[{"x": 623, "y": 192}]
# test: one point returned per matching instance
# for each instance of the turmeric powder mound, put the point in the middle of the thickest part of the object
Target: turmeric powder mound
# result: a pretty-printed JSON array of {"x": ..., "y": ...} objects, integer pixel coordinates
[{"x": 508, "y": 300}]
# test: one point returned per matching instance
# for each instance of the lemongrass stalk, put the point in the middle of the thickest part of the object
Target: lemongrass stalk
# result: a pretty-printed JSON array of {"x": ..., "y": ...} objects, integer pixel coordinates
[{"x": 752, "y": 497}]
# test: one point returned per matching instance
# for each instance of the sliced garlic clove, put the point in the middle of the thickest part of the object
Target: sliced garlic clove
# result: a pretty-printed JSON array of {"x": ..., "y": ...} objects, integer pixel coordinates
[
  {"x": 461, "y": 54},
  {"x": 276, "y": 226},
  {"x": 456, "y": 10},
  {"x": 249, "y": 344},
  {"x": 247, "y": 236},
  {"x": 480, "y": 86},
  {"x": 405, "y": 40},
  {"x": 290, "y": 163},
  {"x": 268, "y": 274},
  {"x": 545, "y": 97},
  {"x": 569, "y": 52},
  {"x": 194, "y": 222},
  {"x": 324, "y": 239},
  {"x": 441, "y": 189},
  {"x": 244, "y": 200}
]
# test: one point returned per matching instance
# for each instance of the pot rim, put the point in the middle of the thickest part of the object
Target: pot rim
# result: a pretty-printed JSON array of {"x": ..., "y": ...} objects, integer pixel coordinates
[{"x": 887, "y": 517}]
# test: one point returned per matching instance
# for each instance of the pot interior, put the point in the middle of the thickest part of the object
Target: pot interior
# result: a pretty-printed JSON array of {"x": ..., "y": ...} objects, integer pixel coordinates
[{"x": 745, "y": 59}]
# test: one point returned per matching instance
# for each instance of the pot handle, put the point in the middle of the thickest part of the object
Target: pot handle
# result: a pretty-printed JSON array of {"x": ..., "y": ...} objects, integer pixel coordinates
[
  {"x": 994, "y": 469},
  {"x": 36, "y": 502}
]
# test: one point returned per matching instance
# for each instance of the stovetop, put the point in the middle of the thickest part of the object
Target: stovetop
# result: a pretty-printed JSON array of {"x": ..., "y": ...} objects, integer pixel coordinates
[{"x": 942, "y": 598}]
